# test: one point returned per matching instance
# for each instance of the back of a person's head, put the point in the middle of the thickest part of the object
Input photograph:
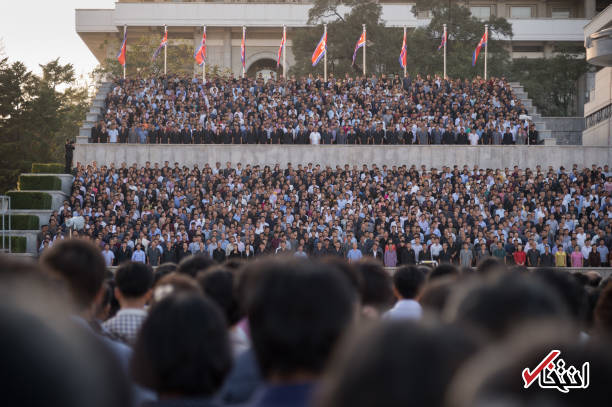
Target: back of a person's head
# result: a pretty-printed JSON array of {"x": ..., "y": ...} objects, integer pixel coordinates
[
  {"x": 164, "y": 269},
  {"x": 435, "y": 293},
  {"x": 53, "y": 364},
  {"x": 408, "y": 281},
  {"x": 298, "y": 311},
  {"x": 503, "y": 302},
  {"x": 443, "y": 270},
  {"x": 183, "y": 348},
  {"x": 347, "y": 269},
  {"x": 174, "y": 283},
  {"x": 134, "y": 279},
  {"x": 490, "y": 265},
  {"x": 81, "y": 265},
  {"x": 192, "y": 265},
  {"x": 603, "y": 311},
  {"x": 377, "y": 288},
  {"x": 395, "y": 364},
  {"x": 569, "y": 290},
  {"x": 494, "y": 377},
  {"x": 218, "y": 284}
]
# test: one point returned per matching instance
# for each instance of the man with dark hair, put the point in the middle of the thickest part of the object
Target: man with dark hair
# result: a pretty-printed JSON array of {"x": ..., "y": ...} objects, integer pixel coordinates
[
  {"x": 377, "y": 288},
  {"x": 133, "y": 290},
  {"x": 192, "y": 265},
  {"x": 407, "y": 284},
  {"x": 298, "y": 312},
  {"x": 182, "y": 351}
]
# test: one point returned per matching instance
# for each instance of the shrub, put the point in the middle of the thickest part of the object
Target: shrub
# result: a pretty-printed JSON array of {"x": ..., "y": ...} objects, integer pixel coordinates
[
  {"x": 30, "y": 200},
  {"x": 39, "y": 183},
  {"x": 20, "y": 222},
  {"x": 18, "y": 243},
  {"x": 52, "y": 168}
]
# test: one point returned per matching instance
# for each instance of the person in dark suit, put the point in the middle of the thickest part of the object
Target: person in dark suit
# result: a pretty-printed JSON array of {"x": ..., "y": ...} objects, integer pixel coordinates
[
  {"x": 507, "y": 139},
  {"x": 69, "y": 147},
  {"x": 95, "y": 132}
]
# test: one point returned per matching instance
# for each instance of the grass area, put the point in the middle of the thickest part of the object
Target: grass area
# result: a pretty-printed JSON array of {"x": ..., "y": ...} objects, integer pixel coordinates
[
  {"x": 20, "y": 222},
  {"x": 50, "y": 168}
]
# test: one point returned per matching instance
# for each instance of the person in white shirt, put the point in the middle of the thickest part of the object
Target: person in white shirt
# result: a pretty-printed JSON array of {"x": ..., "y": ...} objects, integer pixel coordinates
[
  {"x": 315, "y": 137},
  {"x": 473, "y": 137},
  {"x": 113, "y": 134},
  {"x": 407, "y": 284}
]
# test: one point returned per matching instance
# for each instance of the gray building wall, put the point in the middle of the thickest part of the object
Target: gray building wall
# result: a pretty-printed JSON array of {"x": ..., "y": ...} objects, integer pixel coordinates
[{"x": 430, "y": 156}]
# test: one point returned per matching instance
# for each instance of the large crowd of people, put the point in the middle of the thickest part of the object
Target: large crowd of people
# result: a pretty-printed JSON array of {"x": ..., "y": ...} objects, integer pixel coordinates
[
  {"x": 399, "y": 215},
  {"x": 283, "y": 331},
  {"x": 375, "y": 110}
]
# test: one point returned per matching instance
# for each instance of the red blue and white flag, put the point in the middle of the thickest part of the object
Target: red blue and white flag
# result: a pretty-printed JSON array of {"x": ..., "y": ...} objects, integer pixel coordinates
[
  {"x": 163, "y": 43},
  {"x": 320, "y": 50},
  {"x": 402, "y": 57},
  {"x": 360, "y": 43},
  {"x": 482, "y": 43},
  {"x": 243, "y": 49},
  {"x": 280, "y": 49},
  {"x": 443, "y": 43},
  {"x": 121, "y": 54},
  {"x": 200, "y": 54}
]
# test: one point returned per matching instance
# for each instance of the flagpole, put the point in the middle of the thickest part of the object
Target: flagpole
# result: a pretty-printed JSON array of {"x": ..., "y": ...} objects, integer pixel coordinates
[
  {"x": 406, "y": 64},
  {"x": 445, "y": 41},
  {"x": 125, "y": 36},
  {"x": 165, "y": 49},
  {"x": 486, "y": 46},
  {"x": 364, "y": 52},
  {"x": 285, "y": 52},
  {"x": 244, "y": 40},
  {"x": 325, "y": 55},
  {"x": 204, "y": 61}
]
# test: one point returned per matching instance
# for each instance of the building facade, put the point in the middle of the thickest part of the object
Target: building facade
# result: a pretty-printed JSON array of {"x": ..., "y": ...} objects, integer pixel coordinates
[
  {"x": 598, "y": 110},
  {"x": 539, "y": 26}
]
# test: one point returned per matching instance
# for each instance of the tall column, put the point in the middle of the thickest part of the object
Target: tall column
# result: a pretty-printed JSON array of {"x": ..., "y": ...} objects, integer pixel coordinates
[
  {"x": 589, "y": 8},
  {"x": 227, "y": 49}
]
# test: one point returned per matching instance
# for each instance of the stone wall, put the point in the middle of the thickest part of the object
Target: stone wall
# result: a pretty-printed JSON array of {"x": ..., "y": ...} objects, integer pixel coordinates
[
  {"x": 431, "y": 156},
  {"x": 566, "y": 130}
]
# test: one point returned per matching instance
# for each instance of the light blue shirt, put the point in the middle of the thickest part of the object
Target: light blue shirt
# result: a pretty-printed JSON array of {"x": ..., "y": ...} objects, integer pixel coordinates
[
  {"x": 354, "y": 255},
  {"x": 139, "y": 256}
]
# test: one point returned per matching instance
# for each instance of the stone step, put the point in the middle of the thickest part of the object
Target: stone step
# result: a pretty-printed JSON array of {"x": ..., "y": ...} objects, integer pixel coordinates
[
  {"x": 24, "y": 256},
  {"x": 514, "y": 84},
  {"x": 57, "y": 198},
  {"x": 30, "y": 235},
  {"x": 99, "y": 104},
  {"x": 84, "y": 132},
  {"x": 550, "y": 142},
  {"x": 66, "y": 180},
  {"x": 92, "y": 117},
  {"x": 82, "y": 140},
  {"x": 43, "y": 214}
]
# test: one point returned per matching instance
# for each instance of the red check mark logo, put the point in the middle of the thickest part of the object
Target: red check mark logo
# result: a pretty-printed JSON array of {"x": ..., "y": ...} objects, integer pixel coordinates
[{"x": 529, "y": 377}]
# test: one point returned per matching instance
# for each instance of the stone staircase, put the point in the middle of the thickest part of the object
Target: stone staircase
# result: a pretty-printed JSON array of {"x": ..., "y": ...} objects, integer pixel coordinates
[
  {"x": 57, "y": 198},
  {"x": 546, "y": 137},
  {"x": 94, "y": 114}
]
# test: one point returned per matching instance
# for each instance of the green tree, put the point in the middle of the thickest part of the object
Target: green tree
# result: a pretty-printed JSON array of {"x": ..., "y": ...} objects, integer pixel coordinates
[
  {"x": 551, "y": 82},
  {"x": 342, "y": 34},
  {"x": 37, "y": 114},
  {"x": 384, "y": 43}
]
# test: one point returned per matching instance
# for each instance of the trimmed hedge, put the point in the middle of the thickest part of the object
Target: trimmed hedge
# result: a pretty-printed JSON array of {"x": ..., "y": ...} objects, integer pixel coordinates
[
  {"x": 18, "y": 243},
  {"x": 21, "y": 222},
  {"x": 39, "y": 183},
  {"x": 30, "y": 200},
  {"x": 52, "y": 168}
]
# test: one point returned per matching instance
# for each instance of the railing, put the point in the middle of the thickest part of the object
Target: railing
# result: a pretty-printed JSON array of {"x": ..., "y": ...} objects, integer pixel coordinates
[{"x": 5, "y": 214}]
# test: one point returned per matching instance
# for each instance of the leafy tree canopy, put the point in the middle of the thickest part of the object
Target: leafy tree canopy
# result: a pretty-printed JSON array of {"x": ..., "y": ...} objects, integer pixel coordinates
[{"x": 37, "y": 114}]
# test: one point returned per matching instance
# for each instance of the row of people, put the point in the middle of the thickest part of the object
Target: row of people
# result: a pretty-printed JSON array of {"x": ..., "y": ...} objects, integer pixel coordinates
[
  {"x": 423, "y": 110},
  {"x": 297, "y": 332}
]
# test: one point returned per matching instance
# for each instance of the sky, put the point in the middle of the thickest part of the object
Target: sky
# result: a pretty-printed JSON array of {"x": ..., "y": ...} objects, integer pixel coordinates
[{"x": 38, "y": 31}]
